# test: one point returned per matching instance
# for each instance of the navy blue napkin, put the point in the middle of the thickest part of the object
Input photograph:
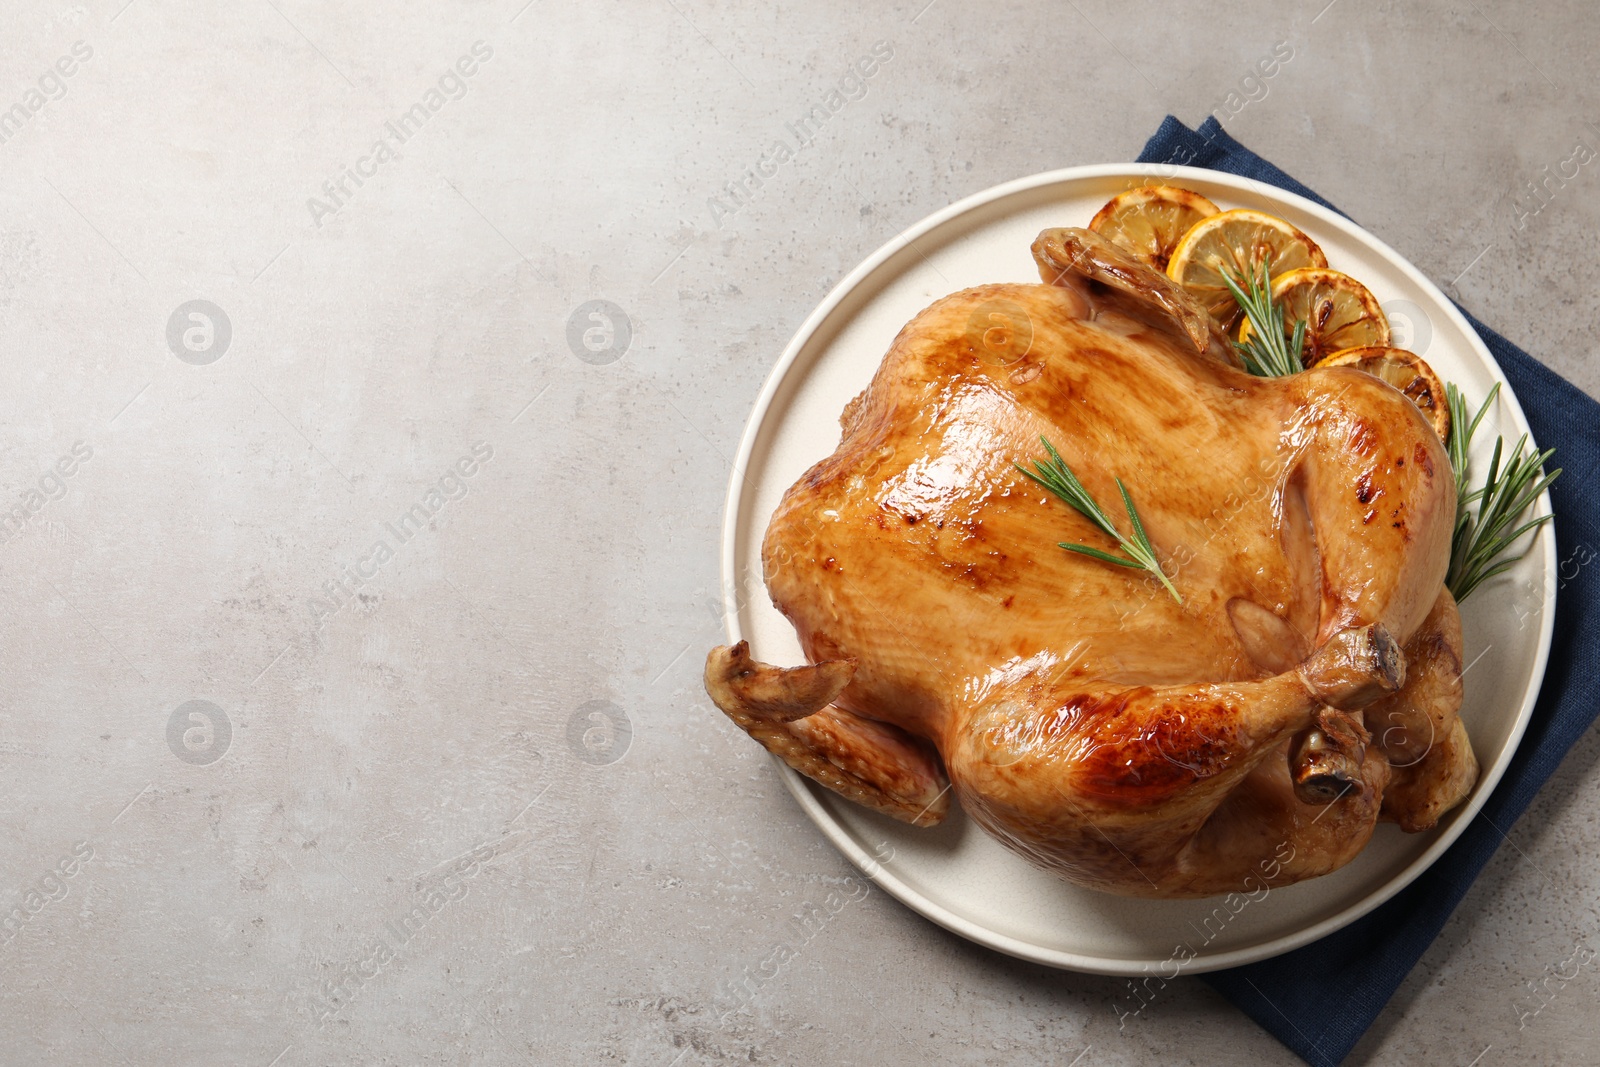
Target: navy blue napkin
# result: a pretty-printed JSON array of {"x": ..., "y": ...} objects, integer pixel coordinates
[{"x": 1320, "y": 999}]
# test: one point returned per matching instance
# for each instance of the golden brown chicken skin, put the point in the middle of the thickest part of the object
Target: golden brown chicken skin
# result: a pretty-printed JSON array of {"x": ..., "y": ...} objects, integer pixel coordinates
[{"x": 1078, "y": 712}]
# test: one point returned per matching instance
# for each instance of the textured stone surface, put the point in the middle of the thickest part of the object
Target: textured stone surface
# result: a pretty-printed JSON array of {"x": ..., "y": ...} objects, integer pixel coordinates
[{"x": 419, "y": 738}]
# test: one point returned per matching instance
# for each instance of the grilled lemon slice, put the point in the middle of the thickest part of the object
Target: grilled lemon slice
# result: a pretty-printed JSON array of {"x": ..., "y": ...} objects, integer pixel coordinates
[
  {"x": 1151, "y": 220},
  {"x": 1407, "y": 372},
  {"x": 1237, "y": 243},
  {"x": 1339, "y": 312}
]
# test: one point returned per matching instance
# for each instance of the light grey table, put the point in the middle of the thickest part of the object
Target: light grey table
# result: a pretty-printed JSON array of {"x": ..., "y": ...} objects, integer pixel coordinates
[{"x": 460, "y": 798}]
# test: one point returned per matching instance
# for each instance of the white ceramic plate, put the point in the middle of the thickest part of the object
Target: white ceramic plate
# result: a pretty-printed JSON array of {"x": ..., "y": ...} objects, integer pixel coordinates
[{"x": 956, "y": 875}]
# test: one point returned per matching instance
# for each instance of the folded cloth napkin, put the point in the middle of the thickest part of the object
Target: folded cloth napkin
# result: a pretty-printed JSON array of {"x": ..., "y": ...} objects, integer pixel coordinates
[{"x": 1320, "y": 999}]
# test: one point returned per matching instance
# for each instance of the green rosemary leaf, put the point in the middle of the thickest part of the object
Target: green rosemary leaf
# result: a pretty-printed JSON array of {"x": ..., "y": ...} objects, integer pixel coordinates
[
  {"x": 1267, "y": 353},
  {"x": 1494, "y": 391},
  {"x": 1120, "y": 561},
  {"x": 1054, "y": 475},
  {"x": 1141, "y": 538},
  {"x": 1479, "y": 543}
]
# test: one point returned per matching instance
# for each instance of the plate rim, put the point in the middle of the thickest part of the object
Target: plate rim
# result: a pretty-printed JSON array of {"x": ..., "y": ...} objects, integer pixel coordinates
[{"x": 800, "y": 787}]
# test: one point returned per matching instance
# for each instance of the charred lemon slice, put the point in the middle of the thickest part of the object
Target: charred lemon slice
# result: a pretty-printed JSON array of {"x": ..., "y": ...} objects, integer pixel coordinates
[
  {"x": 1238, "y": 244},
  {"x": 1150, "y": 221},
  {"x": 1338, "y": 312},
  {"x": 1407, "y": 372}
]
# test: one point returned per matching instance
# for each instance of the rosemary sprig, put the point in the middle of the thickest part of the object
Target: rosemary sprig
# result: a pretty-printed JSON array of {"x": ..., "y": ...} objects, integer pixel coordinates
[
  {"x": 1054, "y": 474},
  {"x": 1480, "y": 538},
  {"x": 1460, "y": 444},
  {"x": 1267, "y": 354}
]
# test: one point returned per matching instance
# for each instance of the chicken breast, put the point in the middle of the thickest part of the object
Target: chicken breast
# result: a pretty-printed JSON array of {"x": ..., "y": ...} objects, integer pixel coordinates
[{"x": 1087, "y": 719}]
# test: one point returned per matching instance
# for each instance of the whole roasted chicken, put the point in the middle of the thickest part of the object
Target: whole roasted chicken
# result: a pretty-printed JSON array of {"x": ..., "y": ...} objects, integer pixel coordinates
[{"x": 1302, "y": 685}]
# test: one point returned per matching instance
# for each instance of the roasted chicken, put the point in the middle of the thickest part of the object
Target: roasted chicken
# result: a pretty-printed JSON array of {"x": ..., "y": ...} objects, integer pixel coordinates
[{"x": 1306, "y": 686}]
